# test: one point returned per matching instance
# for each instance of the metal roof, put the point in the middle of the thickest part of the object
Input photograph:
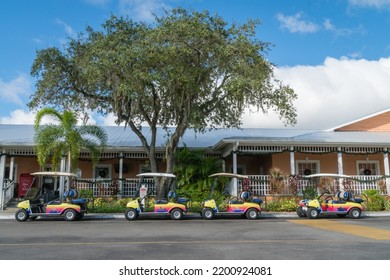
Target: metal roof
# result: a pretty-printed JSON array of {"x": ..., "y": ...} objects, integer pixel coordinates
[{"x": 119, "y": 136}]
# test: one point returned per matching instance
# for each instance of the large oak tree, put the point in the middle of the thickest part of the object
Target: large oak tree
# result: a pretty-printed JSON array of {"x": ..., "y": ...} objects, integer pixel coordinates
[{"x": 186, "y": 70}]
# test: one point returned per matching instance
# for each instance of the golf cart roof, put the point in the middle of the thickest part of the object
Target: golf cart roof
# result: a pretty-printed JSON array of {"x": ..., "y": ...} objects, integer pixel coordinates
[
  {"x": 230, "y": 175},
  {"x": 54, "y": 174},
  {"x": 155, "y": 174},
  {"x": 326, "y": 175}
]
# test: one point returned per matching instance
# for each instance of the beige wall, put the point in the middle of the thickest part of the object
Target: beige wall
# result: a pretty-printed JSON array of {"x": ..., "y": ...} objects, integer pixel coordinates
[
  {"x": 252, "y": 164},
  {"x": 328, "y": 162}
]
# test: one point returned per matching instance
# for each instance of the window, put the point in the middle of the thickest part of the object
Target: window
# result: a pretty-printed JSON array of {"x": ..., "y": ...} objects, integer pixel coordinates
[
  {"x": 307, "y": 167},
  {"x": 368, "y": 167},
  {"x": 102, "y": 171}
]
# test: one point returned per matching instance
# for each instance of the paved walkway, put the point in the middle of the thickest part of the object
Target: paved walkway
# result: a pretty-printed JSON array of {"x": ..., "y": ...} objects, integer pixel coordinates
[{"x": 9, "y": 213}]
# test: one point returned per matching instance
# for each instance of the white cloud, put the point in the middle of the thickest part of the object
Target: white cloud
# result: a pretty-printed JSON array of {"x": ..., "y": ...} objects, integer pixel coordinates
[
  {"x": 329, "y": 26},
  {"x": 18, "y": 117},
  {"x": 295, "y": 24},
  {"x": 370, "y": 3},
  {"x": 16, "y": 90},
  {"x": 67, "y": 28},
  {"x": 142, "y": 9},
  {"x": 336, "y": 92}
]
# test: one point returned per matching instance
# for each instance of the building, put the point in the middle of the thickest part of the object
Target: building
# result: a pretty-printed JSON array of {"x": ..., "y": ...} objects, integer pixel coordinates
[{"x": 359, "y": 148}]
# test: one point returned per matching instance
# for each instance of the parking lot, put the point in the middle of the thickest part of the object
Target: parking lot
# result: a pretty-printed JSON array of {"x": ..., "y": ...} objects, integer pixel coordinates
[{"x": 286, "y": 238}]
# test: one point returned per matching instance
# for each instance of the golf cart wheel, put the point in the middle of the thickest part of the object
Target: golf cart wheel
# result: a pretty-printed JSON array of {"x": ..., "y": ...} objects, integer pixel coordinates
[
  {"x": 208, "y": 214},
  {"x": 176, "y": 214},
  {"x": 300, "y": 212},
  {"x": 131, "y": 214},
  {"x": 70, "y": 215},
  {"x": 355, "y": 213},
  {"x": 21, "y": 215},
  {"x": 252, "y": 214},
  {"x": 313, "y": 213}
]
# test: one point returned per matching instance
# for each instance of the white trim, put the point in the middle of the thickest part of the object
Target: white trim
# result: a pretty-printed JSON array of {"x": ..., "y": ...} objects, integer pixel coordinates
[
  {"x": 376, "y": 162},
  {"x": 108, "y": 166},
  {"x": 297, "y": 162},
  {"x": 360, "y": 119}
]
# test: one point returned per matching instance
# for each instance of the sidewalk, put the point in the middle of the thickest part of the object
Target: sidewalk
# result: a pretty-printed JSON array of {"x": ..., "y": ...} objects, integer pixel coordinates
[{"x": 9, "y": 214}]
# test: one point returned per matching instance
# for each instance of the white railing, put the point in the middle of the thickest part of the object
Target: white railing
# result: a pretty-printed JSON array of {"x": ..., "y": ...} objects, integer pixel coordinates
[
  {"x": 111, "y": 187},
  {"x": 259, "y": 184},
  {"x": 7, "y": 192}
]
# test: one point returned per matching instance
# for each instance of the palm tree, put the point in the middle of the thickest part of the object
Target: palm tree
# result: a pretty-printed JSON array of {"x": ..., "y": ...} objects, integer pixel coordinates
[{"x": 66, "y": 138}]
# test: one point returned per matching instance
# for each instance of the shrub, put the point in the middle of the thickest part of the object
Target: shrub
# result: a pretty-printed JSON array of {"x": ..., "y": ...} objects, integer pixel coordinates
[
  {"x": 376, "y": 201},
  {"x": 282, "y": 205}
]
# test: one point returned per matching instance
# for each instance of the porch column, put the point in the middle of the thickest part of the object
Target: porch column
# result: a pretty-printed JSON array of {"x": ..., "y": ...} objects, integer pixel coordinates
[
  {"x": 120, "y": 175},
  {"x": 387, "y": 169},
  {"x": 235, "y": 189},
  {"x": 340, "y": 169},
  {"x": 11, "y": 168},
  {"x": 62, "y": 178},
  {"x": 292, "y": 161},
  {"x": 2, "y": 173}
]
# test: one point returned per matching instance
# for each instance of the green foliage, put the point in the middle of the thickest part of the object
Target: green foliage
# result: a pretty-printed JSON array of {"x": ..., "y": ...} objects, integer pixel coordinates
[
  {"x": 84, "y": 193},
  {"x": 108, "y": 205},
  {"x": 282, "y": 205},
  {"x": 376, "y": 201},
  {"x": 65, "y": 138},
  {"x": 387, "y": 205},
  {"x": 193, "y": 169},
  {"x": 309, "y": 193}
]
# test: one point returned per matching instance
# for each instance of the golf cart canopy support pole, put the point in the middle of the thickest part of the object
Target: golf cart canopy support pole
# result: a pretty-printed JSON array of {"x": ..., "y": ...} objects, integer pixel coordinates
[{"x": 2, "y": 173}]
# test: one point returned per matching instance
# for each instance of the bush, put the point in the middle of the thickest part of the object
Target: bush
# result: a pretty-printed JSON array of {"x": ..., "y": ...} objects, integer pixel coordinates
[
  {"x": 387, "y": 205},
  {"x": 282, "y": 205},
  {"x": 309, "y": 193},
  {"x": 376, "y": 201}
]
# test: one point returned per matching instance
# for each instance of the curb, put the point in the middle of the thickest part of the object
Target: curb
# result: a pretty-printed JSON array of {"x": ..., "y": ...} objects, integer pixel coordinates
[{"x": 105, "y": 216}]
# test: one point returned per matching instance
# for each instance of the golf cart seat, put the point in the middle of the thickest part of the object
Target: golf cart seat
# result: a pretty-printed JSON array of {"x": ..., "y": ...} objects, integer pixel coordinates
[
  {"x": 79, "y": 200},
  {"x": 257, "y": 200},
  {"x": 172, "y": 195},
  {"x": 183, "y": 200},
  {"x": 55, "y": 202},
  {"x": 160, "y": 201},
  {"x": 358, "y": 200}
]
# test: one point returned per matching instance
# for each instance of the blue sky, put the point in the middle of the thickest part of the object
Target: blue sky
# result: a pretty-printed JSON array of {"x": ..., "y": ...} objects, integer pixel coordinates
[{"x": 334, "y": 53}]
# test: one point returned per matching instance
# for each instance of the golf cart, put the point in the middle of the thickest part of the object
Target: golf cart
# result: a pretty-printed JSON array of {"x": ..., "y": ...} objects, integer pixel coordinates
[
  {"x": 245, "y": 205},
  {"x": 173, "y": 206},
  {"x": 36, "y": 202},
  {"x": 341, "y": 204}
]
